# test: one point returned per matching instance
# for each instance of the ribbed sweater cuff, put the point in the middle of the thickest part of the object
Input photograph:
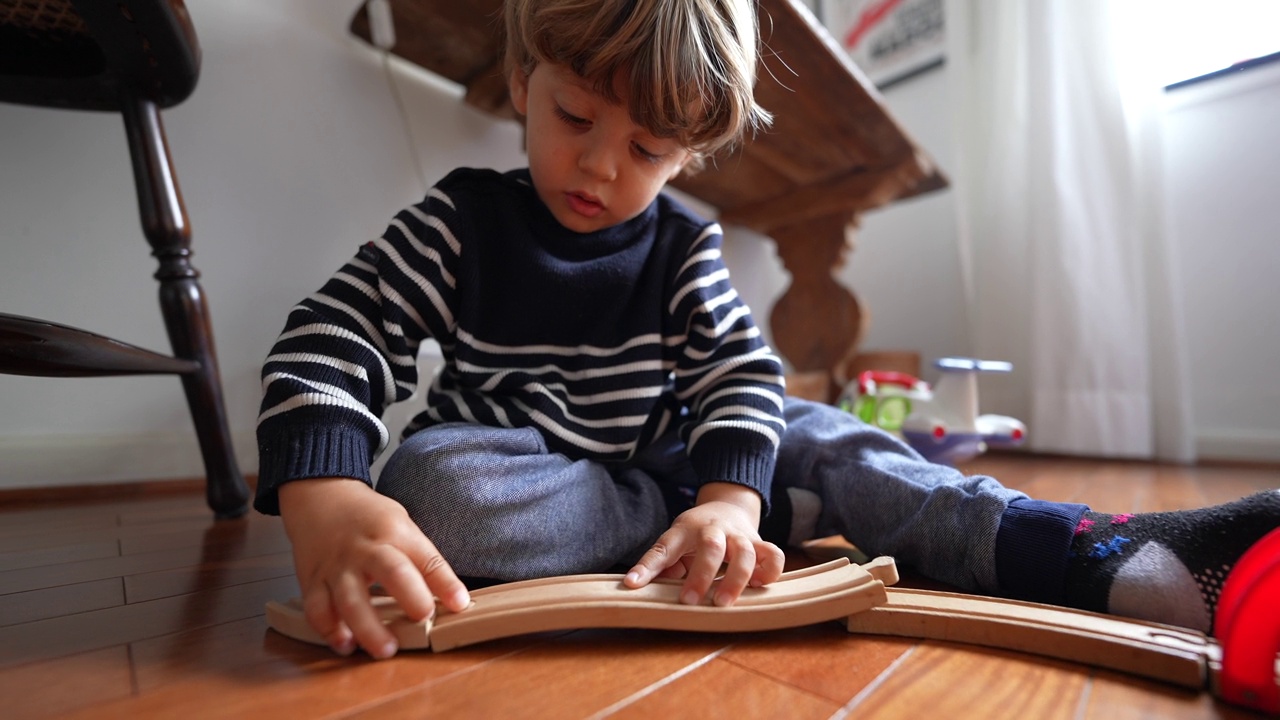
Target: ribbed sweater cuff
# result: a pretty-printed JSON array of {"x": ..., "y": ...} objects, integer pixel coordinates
[
  {"x": 719, "y": 460},
  {"x": 1032, "y": 549},
  {"x": 298, "y": 454}
]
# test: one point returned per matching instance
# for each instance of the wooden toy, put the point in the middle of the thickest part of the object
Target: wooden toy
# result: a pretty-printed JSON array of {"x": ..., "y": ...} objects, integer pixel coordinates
[
  {"x": 1241, "y": 666},
  {"x": 1245, "y": 672},
  {"x": 1161, "y": 652},
  {"x": 830, "y": 591}
]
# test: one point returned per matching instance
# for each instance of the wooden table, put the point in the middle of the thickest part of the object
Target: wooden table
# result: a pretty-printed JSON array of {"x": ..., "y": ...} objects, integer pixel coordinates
[{"x": 833, "y": 153}]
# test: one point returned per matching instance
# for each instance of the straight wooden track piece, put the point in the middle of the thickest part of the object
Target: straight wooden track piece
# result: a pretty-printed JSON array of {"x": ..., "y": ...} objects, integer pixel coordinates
[
  {"x": 1161, "y": 652},
  {"x": 830, "y": 591}
]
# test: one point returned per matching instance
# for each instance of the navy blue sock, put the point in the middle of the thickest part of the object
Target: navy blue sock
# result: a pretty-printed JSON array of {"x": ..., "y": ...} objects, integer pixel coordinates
[{"x": 1032, "y": 548}]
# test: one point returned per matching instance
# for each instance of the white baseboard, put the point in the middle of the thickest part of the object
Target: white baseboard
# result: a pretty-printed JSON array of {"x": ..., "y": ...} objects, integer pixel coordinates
[
  {"x": 1248, "y": 448},
  {"x": 63, "y": 460}
]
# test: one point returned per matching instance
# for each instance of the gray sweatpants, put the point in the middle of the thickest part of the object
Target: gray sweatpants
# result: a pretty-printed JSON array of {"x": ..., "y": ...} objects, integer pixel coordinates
[{"x": 498, "y": 505}]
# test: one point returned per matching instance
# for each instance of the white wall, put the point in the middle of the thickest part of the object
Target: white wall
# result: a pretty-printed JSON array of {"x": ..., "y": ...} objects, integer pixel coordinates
[
  {"x": 291, "y": 152},
  {"x": 1222, "y": 154}
]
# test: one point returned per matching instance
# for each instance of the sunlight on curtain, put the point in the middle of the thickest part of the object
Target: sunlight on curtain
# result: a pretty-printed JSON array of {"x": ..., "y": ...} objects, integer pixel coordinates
[{"x": 1067, "y": 269}]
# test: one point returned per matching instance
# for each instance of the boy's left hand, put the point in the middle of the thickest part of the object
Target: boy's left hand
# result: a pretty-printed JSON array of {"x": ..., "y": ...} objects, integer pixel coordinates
[{"x": 721, "y": 529}]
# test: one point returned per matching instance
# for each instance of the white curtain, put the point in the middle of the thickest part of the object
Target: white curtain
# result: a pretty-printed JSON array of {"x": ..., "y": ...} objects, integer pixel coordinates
[{"x": 1067, "y": 267}]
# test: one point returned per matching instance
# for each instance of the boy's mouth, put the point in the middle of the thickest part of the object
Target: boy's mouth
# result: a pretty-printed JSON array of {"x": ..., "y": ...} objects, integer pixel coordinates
[{"x": 584, "y": 204}]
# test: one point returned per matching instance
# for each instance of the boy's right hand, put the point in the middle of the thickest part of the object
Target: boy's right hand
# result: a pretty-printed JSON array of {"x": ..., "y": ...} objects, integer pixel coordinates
[{"x": 347, "y": 537}]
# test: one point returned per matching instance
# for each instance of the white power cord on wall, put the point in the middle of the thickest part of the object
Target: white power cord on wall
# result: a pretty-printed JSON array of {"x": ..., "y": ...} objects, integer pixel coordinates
[{"x": 382, "y": 32}]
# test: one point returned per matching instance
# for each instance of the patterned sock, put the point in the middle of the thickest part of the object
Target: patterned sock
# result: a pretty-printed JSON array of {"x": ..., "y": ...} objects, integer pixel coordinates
[{"x": 1166, "y": 567}]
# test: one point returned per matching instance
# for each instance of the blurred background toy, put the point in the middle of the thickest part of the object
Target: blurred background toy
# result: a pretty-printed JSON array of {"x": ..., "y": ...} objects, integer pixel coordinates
[{"x": 941, "y": 422}]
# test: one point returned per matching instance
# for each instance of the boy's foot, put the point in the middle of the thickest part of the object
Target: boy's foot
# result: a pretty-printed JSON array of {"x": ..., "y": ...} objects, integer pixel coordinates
[{"x": 1165, "y": 567}]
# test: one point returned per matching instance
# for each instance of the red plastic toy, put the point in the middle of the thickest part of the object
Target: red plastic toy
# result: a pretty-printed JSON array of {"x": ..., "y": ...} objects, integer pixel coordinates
[{"x": 1248, "y": 628}]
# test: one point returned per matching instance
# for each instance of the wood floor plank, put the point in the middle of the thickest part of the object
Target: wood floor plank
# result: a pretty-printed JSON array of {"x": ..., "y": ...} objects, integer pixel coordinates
[
  {"x": 192, "y": 527},
  {"x": 825, "y": 660},
  {"x": 16, "y": 525},
  {"x": 241, "y": 670},
  {"x": 951, "y": 681},
  {"x": 71, "y": 634},
  {"x": 176, "y": 509},
  {"x": 1066, "y": 480},
  {"x": 62, "y": 553},
  {"x": 56, "y": 687},
  {"x": 574, "y": 676},
  {"x": 78, "y": 512},
  {"x": 206, "y": 576},
  {"x": 193, "y": 632},
  {"x": 230, "y": 534},
  {"x": 721, "y": 689},
  {"x": 1120, "y": 697},
  {"x": 1221, "y": 485},
  {"x": 266, "y": 542},
  {"x": 24, "y": 607}
]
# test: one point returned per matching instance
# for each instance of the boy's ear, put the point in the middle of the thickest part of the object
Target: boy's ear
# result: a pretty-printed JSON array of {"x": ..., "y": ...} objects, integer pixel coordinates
[{"x": 518, "y": 87}]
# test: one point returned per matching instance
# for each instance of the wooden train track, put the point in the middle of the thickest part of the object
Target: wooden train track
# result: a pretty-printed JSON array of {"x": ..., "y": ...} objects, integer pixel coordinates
[
  {"x": 1161, "y": 652},
  {"x": 855, "y": 594},
  {"x": 830, "y": 591}
]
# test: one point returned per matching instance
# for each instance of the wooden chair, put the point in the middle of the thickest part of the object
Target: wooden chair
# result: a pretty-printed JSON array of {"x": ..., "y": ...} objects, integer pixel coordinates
[{"x": 133, "y": 57}]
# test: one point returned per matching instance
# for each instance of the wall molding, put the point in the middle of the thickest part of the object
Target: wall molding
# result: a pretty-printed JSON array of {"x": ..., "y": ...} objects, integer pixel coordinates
[
  {"x": 1238, "y": 447},
  {"x": 43, "y": 461}
]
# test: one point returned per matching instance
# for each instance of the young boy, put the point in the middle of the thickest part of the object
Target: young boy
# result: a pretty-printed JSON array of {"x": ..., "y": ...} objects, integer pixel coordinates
[{"x": 606, "y": 399}]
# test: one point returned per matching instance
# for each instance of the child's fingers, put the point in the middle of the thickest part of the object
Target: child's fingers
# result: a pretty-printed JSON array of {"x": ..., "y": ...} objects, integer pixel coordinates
[
  {"x": 704, "y": 566},
  {"x": 317, "y": 608},
  {"x": 665, "y": 553},
  {"x": 676, "y": 571},
  {"x": 769, "y": 563},
  {"x": 741, "y": 566},
  {"x": 440, "y": 577},
  {"x": 352, "y": 603},
  {"x": 397, "y": 574}
]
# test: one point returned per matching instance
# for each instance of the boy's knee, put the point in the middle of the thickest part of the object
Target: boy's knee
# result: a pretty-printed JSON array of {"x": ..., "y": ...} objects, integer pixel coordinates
[{"x": 448, "y": 457}]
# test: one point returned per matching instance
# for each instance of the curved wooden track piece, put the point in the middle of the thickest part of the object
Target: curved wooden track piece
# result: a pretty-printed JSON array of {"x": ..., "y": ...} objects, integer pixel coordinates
[
  {"x": 1161, "y": 652},
  {"x": 287, "y": 619},
  {"x": 830, "y": 591}
]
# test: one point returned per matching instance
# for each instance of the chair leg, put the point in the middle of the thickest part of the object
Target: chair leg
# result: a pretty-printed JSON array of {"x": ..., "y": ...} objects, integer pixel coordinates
[
  {"x": 186, "y": 314},
  {"x": 186, "y": 317}
]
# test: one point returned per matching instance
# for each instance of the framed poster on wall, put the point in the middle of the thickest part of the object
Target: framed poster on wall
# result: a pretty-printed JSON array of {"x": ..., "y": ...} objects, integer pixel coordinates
[{"x": 889, "y": 40}]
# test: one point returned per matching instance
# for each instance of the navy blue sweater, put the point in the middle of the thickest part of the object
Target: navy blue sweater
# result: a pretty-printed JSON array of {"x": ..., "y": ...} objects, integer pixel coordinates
[{"x": 601, "y": 341}]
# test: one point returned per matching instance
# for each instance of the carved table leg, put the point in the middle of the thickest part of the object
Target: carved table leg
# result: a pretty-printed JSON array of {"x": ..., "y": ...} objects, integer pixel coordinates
[
  {"x": 817, "y": 324},
  {"x": 186, "y": 315}
]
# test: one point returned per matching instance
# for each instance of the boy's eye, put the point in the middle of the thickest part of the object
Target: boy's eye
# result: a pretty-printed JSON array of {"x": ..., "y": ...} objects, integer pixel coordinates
[
  {"x": 573, "y": 120},
  {"x": 642, "y": 152}
]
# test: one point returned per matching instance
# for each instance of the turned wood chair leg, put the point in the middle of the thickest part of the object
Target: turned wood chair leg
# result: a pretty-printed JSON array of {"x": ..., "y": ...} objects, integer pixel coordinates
[{"x": 182, "y": 302}]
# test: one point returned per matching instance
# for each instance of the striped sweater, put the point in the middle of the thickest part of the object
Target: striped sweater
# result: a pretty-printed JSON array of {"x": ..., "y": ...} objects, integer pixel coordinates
[{"x": 600, "y": 341}]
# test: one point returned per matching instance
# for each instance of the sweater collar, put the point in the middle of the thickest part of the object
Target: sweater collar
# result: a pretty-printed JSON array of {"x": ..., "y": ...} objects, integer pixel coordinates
[{"x": 572, "y": 245}]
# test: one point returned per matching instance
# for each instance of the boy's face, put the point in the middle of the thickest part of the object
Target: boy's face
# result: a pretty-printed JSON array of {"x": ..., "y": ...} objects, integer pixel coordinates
[{"x": 591, "y": 164}]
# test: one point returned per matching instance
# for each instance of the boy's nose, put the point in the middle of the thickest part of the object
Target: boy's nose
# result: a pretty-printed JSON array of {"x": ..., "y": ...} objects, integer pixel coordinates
[{"x": 598, "y": 161}]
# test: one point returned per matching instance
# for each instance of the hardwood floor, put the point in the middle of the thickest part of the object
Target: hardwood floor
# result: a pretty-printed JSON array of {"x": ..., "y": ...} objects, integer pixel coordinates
[{"x": 147, "y": 607}]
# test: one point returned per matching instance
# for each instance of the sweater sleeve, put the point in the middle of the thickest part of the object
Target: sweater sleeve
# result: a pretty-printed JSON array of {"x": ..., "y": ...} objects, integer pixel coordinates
[
  {"x": 350, "y": 350},
  {"x": 730, "y": 381}
]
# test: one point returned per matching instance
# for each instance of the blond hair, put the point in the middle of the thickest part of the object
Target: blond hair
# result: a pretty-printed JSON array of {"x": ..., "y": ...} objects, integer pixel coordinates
[{"x": 689, "y": 65}]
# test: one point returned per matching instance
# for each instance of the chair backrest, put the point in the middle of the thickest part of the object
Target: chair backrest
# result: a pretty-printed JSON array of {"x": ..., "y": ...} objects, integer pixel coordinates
[{"x": 94, "y": 54}]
